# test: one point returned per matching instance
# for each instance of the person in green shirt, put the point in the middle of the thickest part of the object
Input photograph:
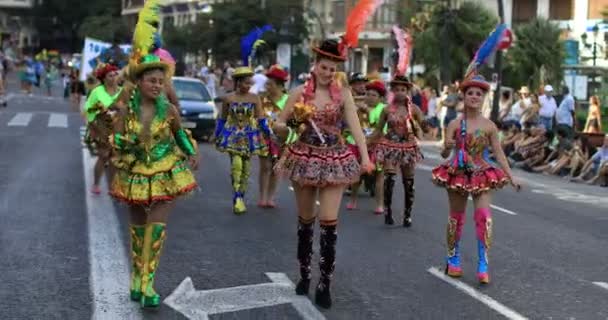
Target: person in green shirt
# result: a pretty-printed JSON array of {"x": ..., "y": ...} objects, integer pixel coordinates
[
  {"x": 376, "y": 91},
  {"x": 273, "y": 103},
  {"x": 99, "y": 121}
]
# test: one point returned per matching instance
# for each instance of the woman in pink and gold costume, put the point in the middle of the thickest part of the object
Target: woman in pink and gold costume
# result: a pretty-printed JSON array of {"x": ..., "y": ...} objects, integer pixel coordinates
[{"x": 470, "y": 171}]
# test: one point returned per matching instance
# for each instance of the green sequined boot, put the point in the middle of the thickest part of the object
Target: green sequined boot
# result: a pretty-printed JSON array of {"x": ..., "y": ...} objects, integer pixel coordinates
[
  {"x": 154, "y": 238},
  {"x": 137, "y": 242}
]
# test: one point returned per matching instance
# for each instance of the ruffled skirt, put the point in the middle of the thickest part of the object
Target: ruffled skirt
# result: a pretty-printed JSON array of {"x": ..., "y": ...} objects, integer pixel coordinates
[
  {"x": 165, "y": 183},
  {"x": 395, "y": 155},
  {"x": 246, "y": 142},
  {"x": 309, "y": 165},
  {"x": 478, "y": 181}
]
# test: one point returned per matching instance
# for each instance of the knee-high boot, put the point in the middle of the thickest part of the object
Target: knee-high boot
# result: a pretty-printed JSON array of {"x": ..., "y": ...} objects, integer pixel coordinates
[
  {"x": 483, "y": 225},
  {"x": 137, "y": 241},
  {"x": 454, "y": 231},
  {"x": 154, "y": 238},
  {"x": 409, "y": 191},
  {"x": 389, "y": 183},
  {"x": 236, "y": 173},
  {"x": 327, "y": 263},
  {"x": 305, "y": 235}
]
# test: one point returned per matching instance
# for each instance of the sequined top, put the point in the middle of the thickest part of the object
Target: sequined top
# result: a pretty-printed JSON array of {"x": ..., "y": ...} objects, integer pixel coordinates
[
  {"x": 273, "y": 109},
  {"x": 477, "y": 145},
  {"x": 400, "y": 127},
  {"x": 241, "y": 115},
  {"x": 148, "y": 152},
  {"x": 328, "y": 120}
]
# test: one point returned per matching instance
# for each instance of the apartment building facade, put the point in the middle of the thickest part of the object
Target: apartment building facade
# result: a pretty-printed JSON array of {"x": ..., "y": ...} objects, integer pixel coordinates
[
  {"x": 16, "y": 29},
  {"x": 375, "y": 44}
]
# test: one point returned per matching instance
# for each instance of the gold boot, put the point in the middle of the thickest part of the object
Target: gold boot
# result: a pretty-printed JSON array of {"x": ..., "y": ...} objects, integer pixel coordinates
[
  {"x": 154, "y": 239},
  {"x": 137, "y": 241}
]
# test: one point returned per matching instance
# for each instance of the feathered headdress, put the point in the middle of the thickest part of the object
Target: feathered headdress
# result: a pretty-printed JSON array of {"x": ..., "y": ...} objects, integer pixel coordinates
[
  {"x": 146, "y": 40},
  {"x": 404, "y": 46},
  {"x": 496, "y": 40},
  {"x": 355, "y": 23},
  {"x": 252, "y": 41}
]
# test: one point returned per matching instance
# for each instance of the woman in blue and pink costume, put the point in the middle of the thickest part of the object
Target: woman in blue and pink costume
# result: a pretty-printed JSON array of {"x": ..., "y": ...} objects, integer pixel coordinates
[{"x": 471, "y": 172}]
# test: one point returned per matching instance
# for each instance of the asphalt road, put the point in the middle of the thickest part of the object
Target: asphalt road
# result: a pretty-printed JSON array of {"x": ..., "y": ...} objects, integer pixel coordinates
[{"x": 549, "y": 248}]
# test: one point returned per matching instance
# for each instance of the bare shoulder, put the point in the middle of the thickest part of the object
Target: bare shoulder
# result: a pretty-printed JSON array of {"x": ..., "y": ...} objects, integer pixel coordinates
[
  {"x": 297, "y": 90},
  {"x": 489, "y": 126},
  {"x": 454, "y": 123}
]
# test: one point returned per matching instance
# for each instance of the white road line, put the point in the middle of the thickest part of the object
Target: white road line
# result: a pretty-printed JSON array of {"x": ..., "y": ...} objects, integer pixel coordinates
[
  {"x": 109, "y": 271},
  {"x": 290, "y": 188},
  {"x": 603, "y": 285},
  {"x": 503, "y": 210},
  {"x": 424, "y": 167},
  {"x": 58, "y": 120},
  {"x": 21, "y": 119},
  {"x": 485, "y": 299}
]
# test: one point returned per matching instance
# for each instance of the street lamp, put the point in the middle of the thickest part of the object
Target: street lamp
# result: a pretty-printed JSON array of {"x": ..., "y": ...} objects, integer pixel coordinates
[{"x": 594, "y": 50}]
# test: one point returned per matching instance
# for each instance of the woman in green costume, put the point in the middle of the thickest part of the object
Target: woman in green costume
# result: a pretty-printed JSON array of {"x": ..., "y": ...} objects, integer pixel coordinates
[
  {"x": 99, "y": 120},
  {"x": 151, "y": 155},
  {"x": 273, "y": 105}
]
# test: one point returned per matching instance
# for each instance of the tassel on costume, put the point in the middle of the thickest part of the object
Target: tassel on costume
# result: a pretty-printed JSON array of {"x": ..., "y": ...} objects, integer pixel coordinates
[
  {"x": 454, "y": 232},
  {"x": 327, "y": 263},
  {"x": 389, "y": 183},
  {"x": 154, "y": 238},
  {"x": 305, "y": 236},
  {"x": 483, "y": 226},
  {"x": 409, "y": 191}
]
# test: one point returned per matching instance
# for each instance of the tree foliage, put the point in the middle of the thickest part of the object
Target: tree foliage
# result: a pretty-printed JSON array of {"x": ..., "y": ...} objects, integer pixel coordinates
[
  {"x": 465, "y": 29},
  {"x": 221, "y": 30},
  {"x": 59, "y": 21},
  {"x": 537, "y": 46}
]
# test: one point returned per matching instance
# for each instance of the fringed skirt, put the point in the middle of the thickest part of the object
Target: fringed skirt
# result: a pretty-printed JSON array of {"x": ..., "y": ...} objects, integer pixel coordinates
[
  {"x": 474, "y": 182},
  {"x": 394, "y": 155},
  {"x": 317, "y": 166}
]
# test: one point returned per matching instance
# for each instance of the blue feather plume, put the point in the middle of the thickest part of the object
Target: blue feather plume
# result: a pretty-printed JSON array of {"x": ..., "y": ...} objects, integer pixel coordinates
[
  {"x": 249, "y": 40},
  {"x": 486, "y": 49}
]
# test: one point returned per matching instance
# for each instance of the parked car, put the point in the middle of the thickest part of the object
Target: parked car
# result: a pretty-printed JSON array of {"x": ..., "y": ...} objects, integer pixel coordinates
[{"x": 197, "y": 108}]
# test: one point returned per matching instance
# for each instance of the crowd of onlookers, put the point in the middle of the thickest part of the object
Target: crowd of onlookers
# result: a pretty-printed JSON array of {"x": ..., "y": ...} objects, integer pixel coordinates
[{"x": 538, "y": 132}]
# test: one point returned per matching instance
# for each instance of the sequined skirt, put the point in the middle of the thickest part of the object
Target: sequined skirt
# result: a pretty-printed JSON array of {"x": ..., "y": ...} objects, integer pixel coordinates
[
  {"x": 242, "y": 141},
  {"x": 393, "y": 154},
  {"x": 476, "y": 181},
  {"x": 318, "y": 166},
  {"x": 146, "y": 185}
]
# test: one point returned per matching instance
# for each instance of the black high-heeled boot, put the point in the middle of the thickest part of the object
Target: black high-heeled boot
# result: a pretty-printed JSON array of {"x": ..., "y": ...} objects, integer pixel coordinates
[
  {"x": 389, "y": 183},
  {"x": 305, "y": 235},
  {"x": 409, "y": 190},
  {"x": 327, "y": 265}
]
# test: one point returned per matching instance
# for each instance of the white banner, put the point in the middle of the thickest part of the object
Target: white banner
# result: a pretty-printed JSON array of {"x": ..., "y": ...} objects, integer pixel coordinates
[
  {"x": 284, "y": 55},
  {"x": 92, "y": 49}
]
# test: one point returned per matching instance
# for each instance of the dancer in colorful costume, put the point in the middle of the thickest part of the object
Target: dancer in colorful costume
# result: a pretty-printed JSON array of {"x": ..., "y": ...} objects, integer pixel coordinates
[
  {"x": 99, "y": 120},
  {"x": 376, "y": 91},
  {"x": 273, "y": 103},
  {"x": 240, "y": 133},
  {"x": 397, "y": 149},
  {"x": 357, "y": 83},
  {"x": 151, "y": 156},
  {"x": 470, "y": 170},
  {"x": 320, "y": 161}
]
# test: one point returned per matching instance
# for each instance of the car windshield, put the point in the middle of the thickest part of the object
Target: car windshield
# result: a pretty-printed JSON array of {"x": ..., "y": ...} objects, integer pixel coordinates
[{"x": 191, "y": 90}]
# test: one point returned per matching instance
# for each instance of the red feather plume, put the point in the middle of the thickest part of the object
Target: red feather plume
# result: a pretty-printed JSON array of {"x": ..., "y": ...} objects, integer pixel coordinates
[{"x": 357, "y": 19}]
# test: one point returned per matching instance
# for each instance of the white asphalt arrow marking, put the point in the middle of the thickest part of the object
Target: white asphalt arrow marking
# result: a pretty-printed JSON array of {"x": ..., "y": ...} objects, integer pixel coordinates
[
  {"x": 199, "y": 305},
  {"x": 601, "y": 285}
]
